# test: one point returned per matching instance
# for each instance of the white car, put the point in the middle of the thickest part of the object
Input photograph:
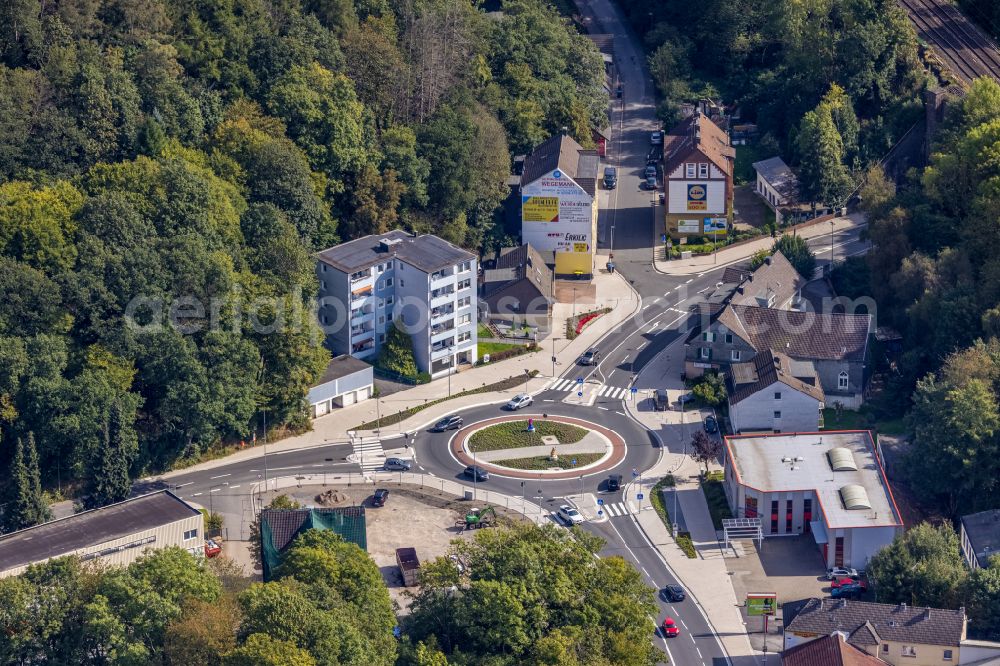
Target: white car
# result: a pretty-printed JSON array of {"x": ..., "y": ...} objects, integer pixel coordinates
[
  {"x": 839, "y": 572},
  {"x": 569, "y": 515},
  {"x": 520, "y": 400},
  {"x": 656, "y": 138}
]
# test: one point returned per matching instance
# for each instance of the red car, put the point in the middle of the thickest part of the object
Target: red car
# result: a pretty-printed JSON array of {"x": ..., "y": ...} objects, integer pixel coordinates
[
  {"x": 670, "y": 628},
  {"x": 848, "y": 581}
]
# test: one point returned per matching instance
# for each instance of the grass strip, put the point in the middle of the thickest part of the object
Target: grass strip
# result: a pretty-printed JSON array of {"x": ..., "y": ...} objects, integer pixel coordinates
[
  {"x": 515, "y": 435},
  {"x": 683, "y": 539},
  {"x": 544, "y": 462},
  {"x": 715, "y": 495}
]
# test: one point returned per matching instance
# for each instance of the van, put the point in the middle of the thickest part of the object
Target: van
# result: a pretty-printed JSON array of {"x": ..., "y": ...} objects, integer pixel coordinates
[
  {"x": 660, "y": 400},
  {"x": 610, "y": 178}
]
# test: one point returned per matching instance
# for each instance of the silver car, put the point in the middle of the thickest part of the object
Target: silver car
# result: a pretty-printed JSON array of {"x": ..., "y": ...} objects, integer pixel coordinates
[
  {"x": 518, "y": 401},
  {"x": 569, "y": 515},
  {"x": 397, "y": 465}
]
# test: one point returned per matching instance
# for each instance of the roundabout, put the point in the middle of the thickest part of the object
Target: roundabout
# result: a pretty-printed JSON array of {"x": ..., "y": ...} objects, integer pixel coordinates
[{"x": 538, "y": 446}]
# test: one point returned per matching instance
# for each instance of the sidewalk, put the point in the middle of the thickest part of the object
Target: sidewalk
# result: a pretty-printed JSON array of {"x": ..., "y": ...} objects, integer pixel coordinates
[
  {"x": 611, "y": 290},
  {"x": 707, "y": 577},
  {"x": 736, "y": 253}
]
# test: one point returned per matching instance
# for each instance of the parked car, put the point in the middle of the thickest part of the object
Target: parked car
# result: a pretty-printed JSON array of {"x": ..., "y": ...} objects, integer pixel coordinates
[
  {"x": 397, "y": 465},
  {"x": 840, "y": 572},
  {"x": 651, "y": 182},
  {"x": 673, "y": 593},
  {"x": 656, "y": 138},
  {"x": 711, "y": 425},
  {"x": 477, "y": 473},
  {"x": 846, "y": 581},
  {"x": 569, "y": 515},
  {"x": 660, "y": 400},
  {"x": 518, "y": 401},
  {"x": 847, "y": 591},
  {"x": 619, "y": 91},
  {"x": 650, "y": 171},
  {"x": 380, "y": 496},
  {"x": 590, "y": 357},
  {"x": 670, "y": 628},
  {"x": 610, "y": 178},
  {"x": 448, "y": 423},
  {"x": 614, "y": 483},
  {"x": 685, "y": 398}
]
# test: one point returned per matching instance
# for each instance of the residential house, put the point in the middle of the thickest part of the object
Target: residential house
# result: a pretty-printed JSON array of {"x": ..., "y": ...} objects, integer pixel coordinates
[
  {"x": 980, "y": 538},
  {"x": 896, "y": 633},
  {"x": 517, "y": 288},
  {"x": 829, "y": 485},
  {"x": 422, "y": 283},
  {"x": 774, "y": 284},
  {"x": 559, "y": 205},
  {"x": 836, "y": 343},
  {"x": 698, "y": 175},
  {"x": 773, "y": 392},
  {"x": 778, "y": 185},
  {"x": 832, "y": 650},
  {"x": 346, "y": 381}
]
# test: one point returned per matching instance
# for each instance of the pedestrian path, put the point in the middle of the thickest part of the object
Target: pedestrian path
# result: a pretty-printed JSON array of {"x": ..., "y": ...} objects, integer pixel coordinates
[
  {"x": 618, "y": 509},
  {"x": 368, "y": 453}
]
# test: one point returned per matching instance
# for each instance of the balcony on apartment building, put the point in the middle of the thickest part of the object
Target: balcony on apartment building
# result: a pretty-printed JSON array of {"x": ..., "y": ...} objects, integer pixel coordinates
[
  {"x": 443, "y": 348},
  {"x": 361, "y": 275},
  {"x": 366, "y": 330},
  {"x": 445, "y": 311},
  {"x": 361, "y": 294},
  {"x": 442, "y": 296},
  {"x": 441, "y": 275},
  {"x": 443, "y": 327},
  {"x": 361, "y": 315},
  {"x": 363, "y": 347}
]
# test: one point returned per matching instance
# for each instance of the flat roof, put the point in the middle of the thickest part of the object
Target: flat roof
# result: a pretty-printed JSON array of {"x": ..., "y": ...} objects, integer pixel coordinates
[
  {"x": 428, "y": 253},
  {"x": 340, "y": 367},
  {"x": 799, "y": 461},
  {"x": 74, "y": 533},
  {"x": 983, "y": 531}
]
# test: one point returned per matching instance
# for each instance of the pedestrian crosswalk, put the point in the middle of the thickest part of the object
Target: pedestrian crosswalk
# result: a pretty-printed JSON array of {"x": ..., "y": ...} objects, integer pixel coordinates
[
  {"x": 605, "y": 391},
  {"x": 617, "y": 509},
  {"x": 368, "y": 453}
]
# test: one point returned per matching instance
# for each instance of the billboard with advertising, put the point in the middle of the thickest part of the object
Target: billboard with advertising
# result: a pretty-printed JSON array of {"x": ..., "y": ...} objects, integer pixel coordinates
[
  {"x": 539, "y": 209},
  {"x": 716, "y": 226},
  {"x": 689, "y": 226},
  {"x": 761, "y": 604},
  {"x": 697, "y": 196}
]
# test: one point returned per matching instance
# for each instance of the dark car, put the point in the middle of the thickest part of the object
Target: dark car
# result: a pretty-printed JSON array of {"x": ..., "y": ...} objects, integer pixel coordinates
[
  {"x": 610, "y": 178},
  {"x": 477, "y": 473},
  {"x": 847, "y": 591},
  {"x": 660, "y": 401},
  {"x": 650, "y": 171},
  {"x": 650, "y": 182},
  {"x": 711, "y": 425},
  {"x": 673, "y": 593},
  {"x": 397, "y": 465},
  {"x": 380, "y": 496},
  {"x": 619, "y": 91},
  {"x": 590, "y": 357},
  {"x": 448, "y": 423},
  {"x": 614, "y": 483}
]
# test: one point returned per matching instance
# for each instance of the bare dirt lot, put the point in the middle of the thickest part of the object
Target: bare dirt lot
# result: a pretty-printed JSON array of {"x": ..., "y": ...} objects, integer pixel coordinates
[{"x": 412, "y": 517}]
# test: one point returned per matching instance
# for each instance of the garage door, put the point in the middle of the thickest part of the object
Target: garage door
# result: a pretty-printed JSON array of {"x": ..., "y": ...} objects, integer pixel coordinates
[
  {"x": 349, "y": 398},
  {"x": 322, "y": 408}
]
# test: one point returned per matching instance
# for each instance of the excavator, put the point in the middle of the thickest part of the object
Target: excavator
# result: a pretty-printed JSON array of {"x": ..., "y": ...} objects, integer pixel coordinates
[{"x": 478, "y": 518}]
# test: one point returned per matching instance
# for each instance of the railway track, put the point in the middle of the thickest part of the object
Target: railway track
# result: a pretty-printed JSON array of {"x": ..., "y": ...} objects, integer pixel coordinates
[{"x": 960, "y": 45}]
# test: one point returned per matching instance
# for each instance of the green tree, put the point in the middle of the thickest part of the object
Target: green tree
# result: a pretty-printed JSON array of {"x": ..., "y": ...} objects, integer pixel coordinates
[
  {"x": 262, "y": 650},
  {"x": 797, "y": 251},
  {"x": 982, "y": 599},
  {"x": 705, "y": 449},
  {"x": 822, "y": 175},
  {"x": 396, "y": 355},
  {"x": 921, "y": 567},
  {"x": 204, "y": 632},
  {"x": 110, "y": 479},
  {"x": 26, "y": 505}
]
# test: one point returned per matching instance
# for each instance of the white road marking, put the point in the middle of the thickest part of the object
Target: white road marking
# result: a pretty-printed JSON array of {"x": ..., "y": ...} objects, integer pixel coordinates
[
  {"x": 181, "y": 485},
  {"x": 196, "y": 494},
  {"x": 689, "y": 281},
  {"x": 218, "y": 477},
  {"x": 654, "y": 325},
  {"x": 547, "y": 400},
  {"x": 604, "y": 408},
  {"x": 620, "y": 413},
  {"x": 215, "y": 490},
  {"x": 236, "y": 486}
]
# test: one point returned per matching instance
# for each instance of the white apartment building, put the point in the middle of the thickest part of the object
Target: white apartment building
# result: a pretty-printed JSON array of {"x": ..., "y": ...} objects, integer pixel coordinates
[{"x": 423, "y": 283}]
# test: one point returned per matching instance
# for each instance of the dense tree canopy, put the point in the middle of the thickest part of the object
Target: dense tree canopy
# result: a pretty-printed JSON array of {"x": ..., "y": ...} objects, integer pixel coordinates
[{"x": 167, "y": 169}]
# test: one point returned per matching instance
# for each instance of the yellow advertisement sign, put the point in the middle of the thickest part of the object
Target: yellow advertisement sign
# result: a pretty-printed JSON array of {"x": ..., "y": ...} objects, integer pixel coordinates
[
  {"x": 540, "y": 209},
  {"x": 581, "y": 247},
  {"x": 697, "y": 198}
]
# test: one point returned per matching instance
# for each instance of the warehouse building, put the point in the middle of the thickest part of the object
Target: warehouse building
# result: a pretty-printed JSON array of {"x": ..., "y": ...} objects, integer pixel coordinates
[
  {"x": 346, "y": 381},
  {"x": 827, "y": 484},
  {"x": 114, "y": 535}
]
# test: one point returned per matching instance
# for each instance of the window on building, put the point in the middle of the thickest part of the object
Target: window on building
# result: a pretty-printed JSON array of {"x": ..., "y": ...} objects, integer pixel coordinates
[
  {"x": 389, "y": 300},
  {"x": 777, "y": 395},
  {"x": 838, "y": 552},
  {"x": 947, "y": 655},
  {"x": 777, "y": 415},
  {"x": 380, "y": 268},
  {"x": 885, "y": 648},
  {"x": 734, "y": 355},
  {"x": 729, "y": 338},
  {"x": 467, "y": 335},
  {"x": 190, "y": 534},
  {"x": 706, "y": 353},
  {"x": 807, "y": 514},
  {"x": 381, "y": 338},
  {"x": 788, "y": 516},
  {"x": 465, "y": 319},
  {"x": 750, "y": 507},
  {"x": 322, "y": 267},
  {"x": 465, "y": 284},
  {"x": 401, "y": 282},
  {"x": 388, "y": 317},
  {"x": 908, "y": 651},
  {"x": 464, "y": 301},
  {"x": 842, "y": 381},
  {"x": 774, "y": 516},
  {"x": 708, "y": 336},
  {"x": 689, "y": 169},
  {"x": 381, "y": 320},
  {"x": 388, "y": 283},
  {"x": 703, "y": 170},
  {"x": 464, "y": 266}
]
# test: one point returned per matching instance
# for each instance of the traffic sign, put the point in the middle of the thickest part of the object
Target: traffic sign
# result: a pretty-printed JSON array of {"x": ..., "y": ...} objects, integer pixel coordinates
[
  {"x": 574, "y": 462},
  {"x": 600, "y": 513},
  {"x": 639, "y": 496},
  {"x": 663, "y": 238},
  {"x": 634, "y": 390},
  {"x": 579, "y": 394},
  {"x": 635, "y": 472},
  {"x": 579, "y": 380},
  {"x": 600, "y": 502}
]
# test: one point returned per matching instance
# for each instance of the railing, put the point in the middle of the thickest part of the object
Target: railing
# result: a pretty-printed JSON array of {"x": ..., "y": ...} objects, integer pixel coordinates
[
  {"x": 437, "y": 313},
  {"x": 438, "y": 293},
  {"x": 441, "y": 328},
  {"x": 361, "y": 295}
]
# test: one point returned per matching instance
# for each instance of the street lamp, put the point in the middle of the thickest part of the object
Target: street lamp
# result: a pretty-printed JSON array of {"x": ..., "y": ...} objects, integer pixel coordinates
[{"x": 527, "y": 376}]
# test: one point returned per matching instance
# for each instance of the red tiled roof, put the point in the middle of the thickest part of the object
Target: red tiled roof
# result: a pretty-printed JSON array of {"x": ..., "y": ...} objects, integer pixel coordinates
[{"x": 828, "y": 651}]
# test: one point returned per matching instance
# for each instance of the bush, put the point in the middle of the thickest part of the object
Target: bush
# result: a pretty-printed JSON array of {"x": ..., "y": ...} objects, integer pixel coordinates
[
  {"x": 515, "y": 350},
  {"x": 396, "y": 356},
  {"x": 798, "y": 254},
  {"x": 710, "y": 389}
]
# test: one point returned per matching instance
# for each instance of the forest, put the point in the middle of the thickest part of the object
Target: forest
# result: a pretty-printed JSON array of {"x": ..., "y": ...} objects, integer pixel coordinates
[{"x": 167, "y": 169}]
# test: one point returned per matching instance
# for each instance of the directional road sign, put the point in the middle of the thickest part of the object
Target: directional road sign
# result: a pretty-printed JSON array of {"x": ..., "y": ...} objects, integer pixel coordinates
[
  {"x": 639, "y": 496},
  {"x": 579, "y": 394},
  {"x": 600, "y": 502}
]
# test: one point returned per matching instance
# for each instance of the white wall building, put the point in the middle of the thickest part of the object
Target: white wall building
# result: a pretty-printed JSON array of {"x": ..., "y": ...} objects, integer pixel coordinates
[
  {"x": 828, "y": 484},
  {"x": 424, "y": 283},
  {"x": 773, "y": 392}
]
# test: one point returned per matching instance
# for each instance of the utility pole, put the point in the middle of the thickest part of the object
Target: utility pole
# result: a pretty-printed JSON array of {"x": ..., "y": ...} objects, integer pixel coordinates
[
  {"x": 553, "y": 354},
  {"x": 527, "y": 376}
]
